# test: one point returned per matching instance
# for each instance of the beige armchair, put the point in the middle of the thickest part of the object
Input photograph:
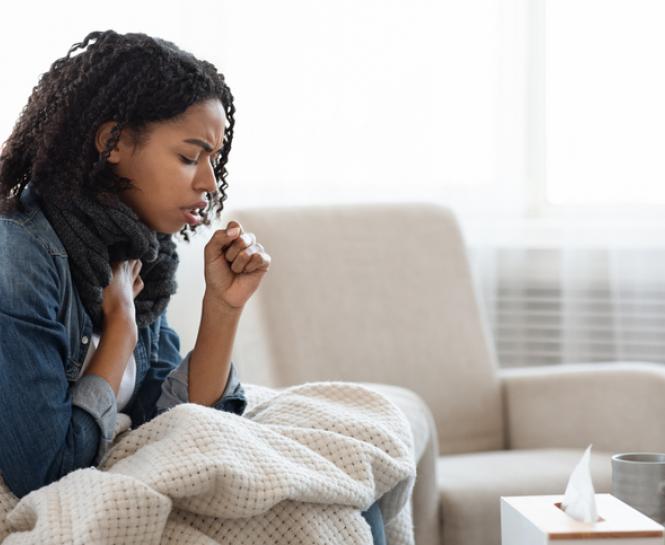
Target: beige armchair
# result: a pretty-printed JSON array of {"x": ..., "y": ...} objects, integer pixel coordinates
[{"x": 382, "y": 294}]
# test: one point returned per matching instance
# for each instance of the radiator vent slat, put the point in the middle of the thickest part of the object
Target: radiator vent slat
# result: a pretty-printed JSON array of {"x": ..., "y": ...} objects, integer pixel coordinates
[{"x": 548, "y": 306}]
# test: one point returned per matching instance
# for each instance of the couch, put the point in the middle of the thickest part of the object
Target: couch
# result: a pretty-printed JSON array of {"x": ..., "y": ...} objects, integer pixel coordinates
[{"x": 382, "y": 294}]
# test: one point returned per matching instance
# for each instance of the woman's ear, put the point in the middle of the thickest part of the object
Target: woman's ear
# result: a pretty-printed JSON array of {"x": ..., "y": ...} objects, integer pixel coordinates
[{"x": 102, "y": 137}]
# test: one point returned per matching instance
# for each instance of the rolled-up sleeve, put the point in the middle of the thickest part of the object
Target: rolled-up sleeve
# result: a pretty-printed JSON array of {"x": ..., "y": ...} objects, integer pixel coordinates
[
  {"x": 167, "y": 381},
  {"x": 95, "y": 395},
  {"x": 49, "y": 428},
  {"x": 176, "y": 390}
]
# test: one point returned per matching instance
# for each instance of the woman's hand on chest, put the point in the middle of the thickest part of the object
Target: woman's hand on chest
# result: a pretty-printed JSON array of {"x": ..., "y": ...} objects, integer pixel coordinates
[{"x": 118, "y": 296}]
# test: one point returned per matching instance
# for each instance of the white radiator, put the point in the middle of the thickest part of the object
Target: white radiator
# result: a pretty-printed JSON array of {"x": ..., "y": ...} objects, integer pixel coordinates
[{"x": 548, "y": 306}]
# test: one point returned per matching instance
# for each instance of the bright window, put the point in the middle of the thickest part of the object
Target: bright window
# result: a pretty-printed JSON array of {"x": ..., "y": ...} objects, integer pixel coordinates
[{"x": 605, "y": 102}]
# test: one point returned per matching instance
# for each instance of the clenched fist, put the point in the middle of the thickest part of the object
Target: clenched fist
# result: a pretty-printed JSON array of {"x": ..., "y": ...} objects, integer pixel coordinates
[{"x": 234, "y": 266}]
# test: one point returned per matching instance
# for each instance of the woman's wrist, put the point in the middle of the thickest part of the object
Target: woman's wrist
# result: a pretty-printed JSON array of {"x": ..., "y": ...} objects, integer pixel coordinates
[
  {"x": 122, "y": 324},
  {"x": 117, "y": 343},
  {"x": 216, "y": 305}
]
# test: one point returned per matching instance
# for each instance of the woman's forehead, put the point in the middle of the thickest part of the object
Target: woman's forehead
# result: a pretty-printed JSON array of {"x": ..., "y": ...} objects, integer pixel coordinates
[{"x": 203, "y": 121}]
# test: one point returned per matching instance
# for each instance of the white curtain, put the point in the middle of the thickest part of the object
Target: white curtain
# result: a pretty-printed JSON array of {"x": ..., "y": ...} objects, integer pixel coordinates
[{"x": 580, "y": 275}]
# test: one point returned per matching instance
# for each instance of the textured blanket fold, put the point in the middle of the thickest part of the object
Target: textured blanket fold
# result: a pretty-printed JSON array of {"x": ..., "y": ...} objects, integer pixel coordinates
[{"x": 297, "y": 468}]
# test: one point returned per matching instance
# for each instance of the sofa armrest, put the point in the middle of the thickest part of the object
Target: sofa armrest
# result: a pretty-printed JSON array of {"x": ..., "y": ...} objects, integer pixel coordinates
[{"x": 614, "y": 406}]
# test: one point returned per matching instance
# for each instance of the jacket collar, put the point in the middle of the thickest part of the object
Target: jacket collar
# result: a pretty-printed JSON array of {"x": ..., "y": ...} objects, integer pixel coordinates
[{"x": 35, "y": 220}]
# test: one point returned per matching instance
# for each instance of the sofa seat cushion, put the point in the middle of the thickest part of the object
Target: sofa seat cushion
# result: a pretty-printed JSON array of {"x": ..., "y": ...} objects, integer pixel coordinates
[{"x": 470, "y": 486}]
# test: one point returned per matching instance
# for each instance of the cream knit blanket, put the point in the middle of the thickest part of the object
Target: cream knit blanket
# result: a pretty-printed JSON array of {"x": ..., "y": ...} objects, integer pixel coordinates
[{"x": 297, "y": 468}]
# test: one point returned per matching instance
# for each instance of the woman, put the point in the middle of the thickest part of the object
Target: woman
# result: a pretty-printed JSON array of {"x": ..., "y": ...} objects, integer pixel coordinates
[{"x": 122, "y": 144}]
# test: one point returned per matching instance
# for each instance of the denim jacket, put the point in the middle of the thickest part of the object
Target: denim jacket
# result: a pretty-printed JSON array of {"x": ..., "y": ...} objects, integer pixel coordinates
[{"x": 52, "y": 421}]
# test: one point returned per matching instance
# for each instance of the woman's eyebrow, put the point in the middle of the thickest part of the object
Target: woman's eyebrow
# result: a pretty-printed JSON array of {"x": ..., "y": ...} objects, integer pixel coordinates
[{"x": 199, "y": 142}]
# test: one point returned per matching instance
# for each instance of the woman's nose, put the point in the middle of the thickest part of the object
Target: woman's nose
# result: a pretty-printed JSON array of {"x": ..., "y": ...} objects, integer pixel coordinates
[{"x": 205, "y": 179}]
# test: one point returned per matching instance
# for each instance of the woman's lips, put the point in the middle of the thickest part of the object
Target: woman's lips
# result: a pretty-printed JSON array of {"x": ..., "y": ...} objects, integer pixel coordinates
[
  {"x": 191, "y": 218},
  {"x": 191, "y": 212}
]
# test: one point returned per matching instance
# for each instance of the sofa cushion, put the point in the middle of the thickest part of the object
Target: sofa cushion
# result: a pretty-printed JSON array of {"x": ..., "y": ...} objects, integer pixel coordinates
[{"x": 470, "y": 486}]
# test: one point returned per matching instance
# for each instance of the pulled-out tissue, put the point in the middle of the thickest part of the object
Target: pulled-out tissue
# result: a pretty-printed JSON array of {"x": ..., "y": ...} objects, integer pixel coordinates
[{"x": 579, "y": 500}]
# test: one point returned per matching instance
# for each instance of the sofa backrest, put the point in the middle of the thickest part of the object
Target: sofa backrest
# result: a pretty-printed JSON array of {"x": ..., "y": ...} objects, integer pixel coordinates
[{"x": 373, "y": 293}]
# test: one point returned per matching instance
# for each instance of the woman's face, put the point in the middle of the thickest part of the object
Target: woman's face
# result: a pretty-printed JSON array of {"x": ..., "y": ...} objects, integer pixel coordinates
[{"x": 172, "y": 169}]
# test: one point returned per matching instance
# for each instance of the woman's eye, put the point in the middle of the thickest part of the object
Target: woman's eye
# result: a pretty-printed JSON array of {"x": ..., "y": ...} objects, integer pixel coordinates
[{"x": 187, "y": 161}]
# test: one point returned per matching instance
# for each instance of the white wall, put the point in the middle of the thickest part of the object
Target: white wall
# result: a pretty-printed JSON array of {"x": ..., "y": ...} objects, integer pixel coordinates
[{"x": 337, "y": 101}]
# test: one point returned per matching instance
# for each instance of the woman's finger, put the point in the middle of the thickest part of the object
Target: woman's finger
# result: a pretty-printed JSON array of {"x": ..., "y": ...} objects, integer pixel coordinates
[
  {"x": 259, "y": 261},
  {"x": 243, "y": 258},
  {"x": 256, "y": 262},
  {"x": 253, "y": 263},
  {"x": 138, "y": 286},
  {"x": 266, "y": 260},
  {"x": 243, "y": 241},
  {"x": 136, "y": 269},
  {"x": 220, "y": 240}
]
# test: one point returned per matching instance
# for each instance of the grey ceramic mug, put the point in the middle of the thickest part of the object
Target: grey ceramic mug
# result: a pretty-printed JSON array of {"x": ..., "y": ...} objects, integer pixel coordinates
[{"x": 638, "y": 479}]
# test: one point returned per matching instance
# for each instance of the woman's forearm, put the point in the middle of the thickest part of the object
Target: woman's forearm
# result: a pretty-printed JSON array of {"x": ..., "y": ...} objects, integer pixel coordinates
[
  {"x": 210, "y": 360},
  {"x": 116, "y": 346}
]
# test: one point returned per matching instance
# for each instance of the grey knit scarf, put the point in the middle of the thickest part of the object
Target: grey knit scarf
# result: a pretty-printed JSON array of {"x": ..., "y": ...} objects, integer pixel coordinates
[{"x": 95, "y": 235}]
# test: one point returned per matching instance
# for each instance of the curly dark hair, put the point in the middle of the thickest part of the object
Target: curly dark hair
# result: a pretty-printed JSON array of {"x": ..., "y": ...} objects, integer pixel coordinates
[{"x": 132, "y": 79}]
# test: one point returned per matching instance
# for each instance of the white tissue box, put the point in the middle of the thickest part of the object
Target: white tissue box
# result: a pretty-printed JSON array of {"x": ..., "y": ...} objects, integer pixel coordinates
[{"x": 539, "y": 520}]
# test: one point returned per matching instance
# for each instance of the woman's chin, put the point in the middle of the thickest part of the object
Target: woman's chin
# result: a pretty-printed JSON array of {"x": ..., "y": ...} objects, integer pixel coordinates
[
  {"x": 165, "y": 224},
  {"x": 163, "y": 227}
]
